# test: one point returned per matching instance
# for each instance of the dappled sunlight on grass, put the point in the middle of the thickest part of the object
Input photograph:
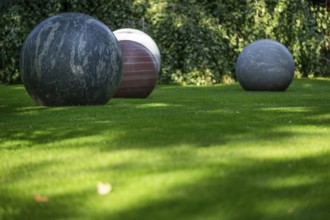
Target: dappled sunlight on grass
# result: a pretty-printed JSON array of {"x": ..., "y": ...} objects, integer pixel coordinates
[
  {"x": 291, "y": 181},
  {"x": 153, "y": 105},
  {"x": 184, "y": 153},
  {"x": 282, "y": 153},
  {"x": 292, "y": 109},
  {"x": 145, "y": 189}
]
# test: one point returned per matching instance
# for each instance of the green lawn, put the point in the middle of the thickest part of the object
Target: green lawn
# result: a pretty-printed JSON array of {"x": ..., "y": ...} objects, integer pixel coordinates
[{"x": 183, "y": 153}]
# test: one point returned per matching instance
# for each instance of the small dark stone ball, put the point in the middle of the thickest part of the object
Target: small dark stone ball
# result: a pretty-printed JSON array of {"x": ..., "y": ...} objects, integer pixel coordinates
[
  {"x": 265, "y": 65},
  {"x": 71, "y": 59}
]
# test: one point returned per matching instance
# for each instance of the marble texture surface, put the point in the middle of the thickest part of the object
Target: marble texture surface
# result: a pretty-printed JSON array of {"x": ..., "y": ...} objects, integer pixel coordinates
[
  {"x": 265, "y": 65},
  {"x": 71, "y": 59}
]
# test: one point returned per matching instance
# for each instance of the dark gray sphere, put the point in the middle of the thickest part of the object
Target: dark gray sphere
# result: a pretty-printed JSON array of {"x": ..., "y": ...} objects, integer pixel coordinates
[
  {"x": 265, "y": 65},
  {"x": 71, "y": 59}
]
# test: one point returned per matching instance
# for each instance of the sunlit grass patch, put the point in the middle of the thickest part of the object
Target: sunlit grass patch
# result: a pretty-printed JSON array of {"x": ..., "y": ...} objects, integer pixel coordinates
[{"x": 183, "y": 153}]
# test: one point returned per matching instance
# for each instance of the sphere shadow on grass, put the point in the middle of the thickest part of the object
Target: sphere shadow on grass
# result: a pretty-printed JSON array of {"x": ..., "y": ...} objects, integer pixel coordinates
[
  {"x": 265, "y": 65},
  {"x": 71, "y": 59}
]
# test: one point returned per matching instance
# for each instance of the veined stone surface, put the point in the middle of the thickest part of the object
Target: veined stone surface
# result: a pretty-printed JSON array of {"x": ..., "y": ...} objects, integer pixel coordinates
[
  {"x": 265, "y": 65},
  {"x": 71, "y": 59}
]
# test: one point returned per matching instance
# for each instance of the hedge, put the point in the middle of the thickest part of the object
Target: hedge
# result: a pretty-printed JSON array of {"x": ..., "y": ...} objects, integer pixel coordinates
[{"x": 199, "y": 40}]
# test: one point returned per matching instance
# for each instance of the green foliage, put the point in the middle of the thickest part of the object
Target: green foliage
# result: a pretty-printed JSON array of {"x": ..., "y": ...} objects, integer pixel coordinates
[
  {"x": 199, "y": 40},
  {"x": 207, "y": 36},
  {"x": 18, "y": 19}
]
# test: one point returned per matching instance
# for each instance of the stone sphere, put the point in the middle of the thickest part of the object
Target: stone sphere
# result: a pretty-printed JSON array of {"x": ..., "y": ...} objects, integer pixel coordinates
[
  {"x": 71, "y": 59},
  {"x": 265, "y": 65},
  {"x": 137, "y": 36},
  {"x": 141, "y": 63}
]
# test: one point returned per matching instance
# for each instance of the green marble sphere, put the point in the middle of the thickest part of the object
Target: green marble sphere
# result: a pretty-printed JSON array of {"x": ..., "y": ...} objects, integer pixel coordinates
[
  {"x": 265, "y": 65},
  {"x": 71, "y": 59}
]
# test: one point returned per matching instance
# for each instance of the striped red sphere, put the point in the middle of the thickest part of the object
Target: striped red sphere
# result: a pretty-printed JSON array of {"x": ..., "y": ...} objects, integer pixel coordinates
[{"x": 141, "y": 64}]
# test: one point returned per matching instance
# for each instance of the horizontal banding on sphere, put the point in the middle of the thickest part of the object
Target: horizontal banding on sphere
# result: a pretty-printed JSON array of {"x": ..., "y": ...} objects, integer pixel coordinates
[
  {"x": 71, "y": 59},
  {"x": 137, "y": 36},
  {"x": 265, "y": 65},
  {"x": 141, "y": 63}
]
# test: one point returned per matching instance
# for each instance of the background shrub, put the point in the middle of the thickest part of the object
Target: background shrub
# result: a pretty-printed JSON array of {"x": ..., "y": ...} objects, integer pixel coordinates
[{"x": 199, "y": 40}]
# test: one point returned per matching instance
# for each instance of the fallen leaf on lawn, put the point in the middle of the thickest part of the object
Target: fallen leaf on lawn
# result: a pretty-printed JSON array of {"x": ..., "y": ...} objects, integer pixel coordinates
[
  {"x": 103, "y": 188},
  {"x": 290, "y": 210},
  {"x": 39, "y": 198}
]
